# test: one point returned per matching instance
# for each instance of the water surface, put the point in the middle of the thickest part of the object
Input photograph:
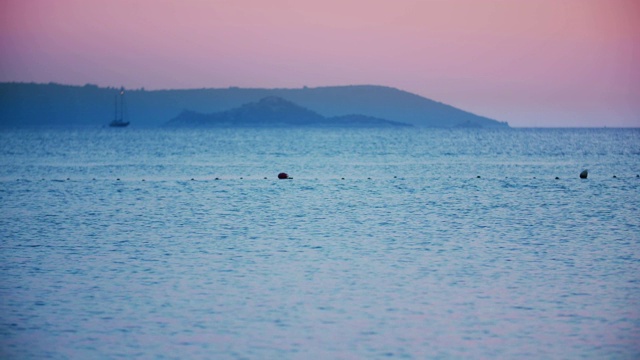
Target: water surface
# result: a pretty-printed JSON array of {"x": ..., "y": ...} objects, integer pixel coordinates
[{"x": 386, "y": 243}]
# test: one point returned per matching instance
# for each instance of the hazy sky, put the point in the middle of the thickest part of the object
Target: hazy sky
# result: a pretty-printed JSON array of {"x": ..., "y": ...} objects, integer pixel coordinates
[{"x": 531, "y": 63}]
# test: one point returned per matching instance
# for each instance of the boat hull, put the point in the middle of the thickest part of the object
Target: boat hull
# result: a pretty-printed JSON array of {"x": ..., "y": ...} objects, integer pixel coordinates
[{"x": 119, "y": 124}]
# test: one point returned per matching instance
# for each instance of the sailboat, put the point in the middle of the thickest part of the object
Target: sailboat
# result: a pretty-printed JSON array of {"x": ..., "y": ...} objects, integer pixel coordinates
[{"x": 118, "y": 119}]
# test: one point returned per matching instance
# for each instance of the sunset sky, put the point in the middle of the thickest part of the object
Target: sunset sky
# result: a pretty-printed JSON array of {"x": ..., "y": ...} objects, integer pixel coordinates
[{"x": 530, "y": 63}]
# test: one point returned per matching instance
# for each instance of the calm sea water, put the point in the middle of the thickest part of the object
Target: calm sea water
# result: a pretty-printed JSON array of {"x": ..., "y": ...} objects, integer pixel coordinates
[{"x": 385, "y": 244}]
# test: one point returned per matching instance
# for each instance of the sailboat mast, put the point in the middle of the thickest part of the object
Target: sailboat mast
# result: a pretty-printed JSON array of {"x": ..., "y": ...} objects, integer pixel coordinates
[
  {"x": 122, "y": 104},
  {"x": 118, "y": 116}
]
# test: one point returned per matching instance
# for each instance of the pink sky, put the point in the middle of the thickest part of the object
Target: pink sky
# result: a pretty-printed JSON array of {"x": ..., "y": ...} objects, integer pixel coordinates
[{"x": 531, "y": 63}]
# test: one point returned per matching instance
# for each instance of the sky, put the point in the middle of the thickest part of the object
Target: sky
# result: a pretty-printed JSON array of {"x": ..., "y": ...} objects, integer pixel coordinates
[{"x": 532, "y": 63}]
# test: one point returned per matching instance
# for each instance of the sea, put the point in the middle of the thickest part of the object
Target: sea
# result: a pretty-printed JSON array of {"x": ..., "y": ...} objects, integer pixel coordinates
[{"x": 383, "y": 244}]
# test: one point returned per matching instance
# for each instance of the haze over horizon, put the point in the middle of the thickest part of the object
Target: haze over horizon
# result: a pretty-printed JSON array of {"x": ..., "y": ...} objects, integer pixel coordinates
[{"x": 537, "y": 63}]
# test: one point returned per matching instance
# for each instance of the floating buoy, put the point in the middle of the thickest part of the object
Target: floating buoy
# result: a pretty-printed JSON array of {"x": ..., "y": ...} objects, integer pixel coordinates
[
  {"x": 283, "y": 176},
  {"x": 584, "y": 174}
]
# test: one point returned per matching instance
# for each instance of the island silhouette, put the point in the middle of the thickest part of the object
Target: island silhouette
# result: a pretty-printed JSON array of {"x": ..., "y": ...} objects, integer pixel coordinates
[
  {"x": 274, "y": 111},
  {"x": 30, "y": 104}
]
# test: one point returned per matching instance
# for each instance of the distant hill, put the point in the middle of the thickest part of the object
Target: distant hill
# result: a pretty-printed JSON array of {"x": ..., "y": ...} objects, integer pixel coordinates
[
  {"x": 274, "y": 111},
  {"x": 23, "y": 104}
]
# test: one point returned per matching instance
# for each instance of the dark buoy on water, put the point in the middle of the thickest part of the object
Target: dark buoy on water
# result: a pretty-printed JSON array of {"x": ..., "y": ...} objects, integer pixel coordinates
[
  {"x": 584, "y": 174},
  {"x": 283, "y": 176}
]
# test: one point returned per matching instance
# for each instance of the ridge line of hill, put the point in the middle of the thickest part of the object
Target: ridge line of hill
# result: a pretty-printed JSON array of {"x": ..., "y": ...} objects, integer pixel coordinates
[
  {"x": 274, "y": 111},
  {"x": 29, "y": 104}
]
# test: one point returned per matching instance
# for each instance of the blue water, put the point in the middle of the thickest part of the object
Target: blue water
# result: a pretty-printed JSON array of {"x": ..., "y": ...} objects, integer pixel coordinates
[{"x": 396, "y": 243}]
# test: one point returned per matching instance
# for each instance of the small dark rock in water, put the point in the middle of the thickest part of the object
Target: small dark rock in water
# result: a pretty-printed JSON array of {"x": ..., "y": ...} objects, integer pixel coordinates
[
  {"x": 478, "y": 177},
  {"x": 584, "y": 174},
  {"x": 614, "y": 176},
  {"x": 557, "y": 178},
  {"x": 216, "y": 179},
  {"x": 283, "y": 176}
]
